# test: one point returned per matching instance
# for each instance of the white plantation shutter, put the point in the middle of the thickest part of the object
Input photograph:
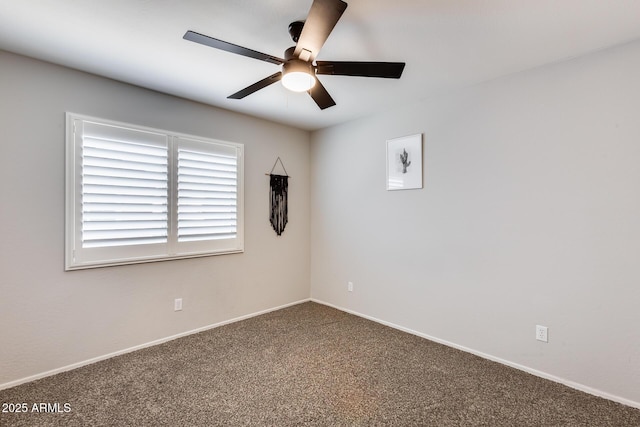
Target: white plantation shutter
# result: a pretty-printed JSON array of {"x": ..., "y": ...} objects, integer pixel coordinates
[
  {"x": 137, "y": 194},
  {"x": 207, "y": 192},
  {"x": 125, "y": 196}
]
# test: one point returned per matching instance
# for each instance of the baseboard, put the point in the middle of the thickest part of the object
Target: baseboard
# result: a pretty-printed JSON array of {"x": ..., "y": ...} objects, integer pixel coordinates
[
  {"x": 541, "y": 374},
  {"x": 145, "y": 345}
]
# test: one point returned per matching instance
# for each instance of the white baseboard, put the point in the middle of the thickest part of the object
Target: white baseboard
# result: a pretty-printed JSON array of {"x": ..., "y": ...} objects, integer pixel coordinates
[
  {"x": 547, "y": 376},
  {"x": 141, "y": 346}
]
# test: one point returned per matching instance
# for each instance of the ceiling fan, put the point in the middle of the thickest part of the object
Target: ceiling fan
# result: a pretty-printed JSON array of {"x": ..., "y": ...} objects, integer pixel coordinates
[{"x": 298, "y": 67}]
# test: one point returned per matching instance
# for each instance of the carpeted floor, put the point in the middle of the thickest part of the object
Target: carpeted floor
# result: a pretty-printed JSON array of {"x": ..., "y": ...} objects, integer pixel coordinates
[{"x": 306, "y": 365}]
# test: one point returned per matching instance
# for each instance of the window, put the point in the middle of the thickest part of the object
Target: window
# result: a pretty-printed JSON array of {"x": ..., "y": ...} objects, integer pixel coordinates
[{"x": 136, "y": 194}]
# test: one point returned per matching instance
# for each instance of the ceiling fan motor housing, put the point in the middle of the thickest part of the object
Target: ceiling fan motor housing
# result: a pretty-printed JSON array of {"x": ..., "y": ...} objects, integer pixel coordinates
[
  {"x": 295, "y": 28},
  {"x": 297, "y": 65},
  {"x": 288, "y": 54}
]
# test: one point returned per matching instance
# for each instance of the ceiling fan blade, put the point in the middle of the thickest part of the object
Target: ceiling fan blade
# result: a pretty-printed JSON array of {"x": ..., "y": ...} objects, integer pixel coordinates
[
  {"x": 323, "y": 16},
  {"x": 321, "y": 96},
  {"x": 230, "y": 47},
  {"x": 387, "y": 70},
  {"x": 256, "y": 86}
]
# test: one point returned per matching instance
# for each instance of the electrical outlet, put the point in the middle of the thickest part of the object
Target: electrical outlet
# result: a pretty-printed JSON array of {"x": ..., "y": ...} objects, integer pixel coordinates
[
  {"x": 542, "y": 333},
  {"x": 177, "y": 304},
  {"x": 350, "y": 286}
]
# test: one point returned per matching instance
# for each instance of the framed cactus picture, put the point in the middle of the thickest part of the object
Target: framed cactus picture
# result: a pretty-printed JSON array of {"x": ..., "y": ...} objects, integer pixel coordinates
[{"x": 404, "y": 162}]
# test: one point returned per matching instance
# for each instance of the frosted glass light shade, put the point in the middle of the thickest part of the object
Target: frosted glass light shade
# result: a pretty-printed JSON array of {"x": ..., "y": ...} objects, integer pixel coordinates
[
  {"x": 298, "y": 81},
  {"x": 298, "y": 76}
]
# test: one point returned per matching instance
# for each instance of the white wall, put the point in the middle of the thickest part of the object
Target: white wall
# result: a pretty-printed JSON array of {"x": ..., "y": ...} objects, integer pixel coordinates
[
  {"x": 530, "y": 214},
  {"x": 50, "y": 318}
]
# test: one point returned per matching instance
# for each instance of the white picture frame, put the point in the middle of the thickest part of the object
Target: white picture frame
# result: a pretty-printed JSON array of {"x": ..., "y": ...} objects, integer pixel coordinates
[{"x": 404, "y": 163}]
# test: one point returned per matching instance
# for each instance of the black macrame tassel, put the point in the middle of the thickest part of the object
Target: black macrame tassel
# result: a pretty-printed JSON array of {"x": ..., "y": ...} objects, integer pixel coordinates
[{"x": 278, "y": 202}]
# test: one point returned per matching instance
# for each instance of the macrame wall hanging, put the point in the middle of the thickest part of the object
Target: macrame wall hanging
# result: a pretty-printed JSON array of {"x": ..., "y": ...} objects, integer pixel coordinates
[{"x": 278, "y": 198}]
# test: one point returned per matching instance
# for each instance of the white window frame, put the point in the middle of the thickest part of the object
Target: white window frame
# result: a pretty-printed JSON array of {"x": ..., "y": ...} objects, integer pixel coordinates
[{"x": 79, "y": 257}]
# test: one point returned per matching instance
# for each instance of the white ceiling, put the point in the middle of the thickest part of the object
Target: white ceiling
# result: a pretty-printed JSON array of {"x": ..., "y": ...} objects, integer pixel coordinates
[{"x": 446, "y": 44}]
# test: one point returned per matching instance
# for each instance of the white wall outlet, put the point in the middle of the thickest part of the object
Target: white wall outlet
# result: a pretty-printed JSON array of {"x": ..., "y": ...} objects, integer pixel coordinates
[
  {"x": 542, "y": 333},
  {"x": 177, "y": 304},
  {"x": 350, "y": 286}
]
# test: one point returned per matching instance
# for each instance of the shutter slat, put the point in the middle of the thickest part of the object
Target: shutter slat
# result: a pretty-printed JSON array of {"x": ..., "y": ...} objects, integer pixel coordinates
[
  {"x": 124, "y": 199},
  {"x": 186, "y": 231},
  {"x": 200, "y": 179},
  {"x": 207, "y": 216},
  {"x": 206, "y": 209},
  {"x": 125, "y": 191},
  {"x": 198, "y": 156},
  {"x": 125, "y": 216},
  {"x": 207, "y": 166},
  {"x": 207, "y": 187},
  {"x": 213, "y": 195},
  {"x": 123, "y": 242},
  {"x": 125, "y": 225},
  {"x": 198, "y": 237},
  {"x": 123, "y": 156},
  {"x": 125, "y": 208},
  {"x": 124, "y": 164},
  {"x": 192, "y": 173},
  {"x": 123, "y": 182},
  {"x": 92, "y": 171},
  {"x": 207, "y": 223},
  {"x": 124, "y": 147},
  {"x": 123, "y": 234}
]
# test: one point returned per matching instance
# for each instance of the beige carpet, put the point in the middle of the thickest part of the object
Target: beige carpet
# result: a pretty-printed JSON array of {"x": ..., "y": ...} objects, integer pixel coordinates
[{"x": 306, "y": 365}]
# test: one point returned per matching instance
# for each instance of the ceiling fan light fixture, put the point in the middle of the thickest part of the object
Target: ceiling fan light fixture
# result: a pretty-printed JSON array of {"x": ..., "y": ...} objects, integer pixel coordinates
[
  {"x": 298, "y": 72},
  {"x": 298, "y": 75}
]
